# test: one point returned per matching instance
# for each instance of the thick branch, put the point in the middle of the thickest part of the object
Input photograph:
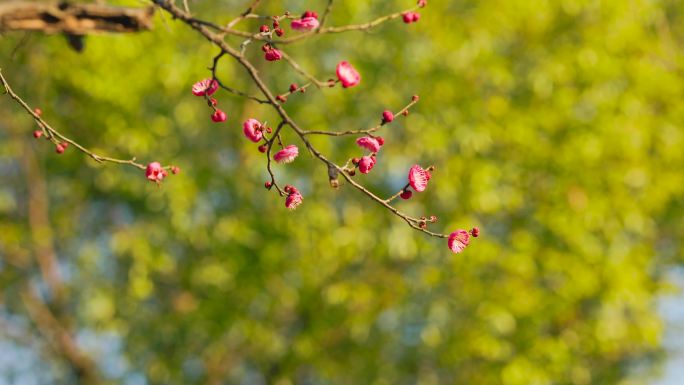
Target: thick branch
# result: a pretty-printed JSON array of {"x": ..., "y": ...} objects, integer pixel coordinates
[{"x": 75, "y": 19}]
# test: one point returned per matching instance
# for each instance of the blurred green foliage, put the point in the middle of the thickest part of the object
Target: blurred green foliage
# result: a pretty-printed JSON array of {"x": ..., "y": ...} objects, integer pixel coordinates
[{"x": 555, "y": 126}]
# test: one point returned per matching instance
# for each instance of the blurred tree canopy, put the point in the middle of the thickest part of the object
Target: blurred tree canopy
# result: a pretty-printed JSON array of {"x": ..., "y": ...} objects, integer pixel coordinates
[{"x": 555, "y": 126}]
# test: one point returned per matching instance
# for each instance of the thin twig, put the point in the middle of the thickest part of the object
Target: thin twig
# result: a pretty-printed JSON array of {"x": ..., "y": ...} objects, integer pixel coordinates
[
  {"x": 364, "y": 27},
  {"x": 56, "y": 137},
  {"x": 302, "y": 71},
  {"x": 358, "y": 132},
  {"x": 244, "y": 14},
  {"x": 213, "y": 70}
]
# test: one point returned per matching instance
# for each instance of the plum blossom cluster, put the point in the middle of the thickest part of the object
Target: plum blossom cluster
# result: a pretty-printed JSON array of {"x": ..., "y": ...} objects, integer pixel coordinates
[
  {"x": 271, "y": 141},
  {"x": 206, "y": 88}
]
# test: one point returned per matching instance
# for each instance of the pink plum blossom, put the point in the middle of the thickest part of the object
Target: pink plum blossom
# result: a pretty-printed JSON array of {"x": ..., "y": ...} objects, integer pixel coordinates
[
  {"x": 418, "y": 178},
  {"x": 347, "y": 74},
  {"x": 305, "y": 24},
  {"x": 458, "y": 240},
  {"x": 155, "y": 172},
  {"x": 369, "y": 143},
  {"x": 205, "y": 87},
  {"x": 287, "y": 154},
  {"x": 366, "y": 164},
  {"x": 252, "y": 130}
]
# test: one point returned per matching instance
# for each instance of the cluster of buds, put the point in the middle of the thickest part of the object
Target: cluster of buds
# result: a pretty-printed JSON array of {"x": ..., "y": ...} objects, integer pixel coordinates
[
  {"x": 257, "y": 132},
  {"x": 60, "y": 145},
  {"x": 271, "y": 53},
  {"x": 410, "y": 17},
  {"x": 205, "y": 88}
]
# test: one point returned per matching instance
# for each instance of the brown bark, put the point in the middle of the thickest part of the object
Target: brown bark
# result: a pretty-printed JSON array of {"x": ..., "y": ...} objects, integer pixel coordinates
[{"x": 74, "y": 19}]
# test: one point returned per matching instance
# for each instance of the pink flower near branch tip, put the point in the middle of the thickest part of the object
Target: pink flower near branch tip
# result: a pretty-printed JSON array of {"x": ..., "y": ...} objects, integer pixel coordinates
[
  {"x": 287, "y": 154},
  {"x": 347, "y": 74},
  {"x": 252, "y": 130},
  {"x": 410, "y": 17},
  {"x": 273, "y": 55},
  {"x": 155, "y": 172},
  {"x": 418, "y": 178},
  {"x": 305, "y": 24},
  {"x": 366, "y": 164},
  {"x": 458, "y": 240},
  {"x": 218, "y": 116},
  {"x": 205, "y": 87},
  {"x": 294, "y": 199}
]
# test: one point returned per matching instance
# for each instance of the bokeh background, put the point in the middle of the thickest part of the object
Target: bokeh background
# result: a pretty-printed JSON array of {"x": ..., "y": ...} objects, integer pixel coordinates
[{"x": 555, "y": 126}]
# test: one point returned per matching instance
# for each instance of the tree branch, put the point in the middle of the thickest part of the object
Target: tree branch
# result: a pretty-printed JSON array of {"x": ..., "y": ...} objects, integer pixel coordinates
[{"x": 74, "y": 19}]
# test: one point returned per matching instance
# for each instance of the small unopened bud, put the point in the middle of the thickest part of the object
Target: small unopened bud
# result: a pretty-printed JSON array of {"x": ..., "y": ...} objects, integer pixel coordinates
[
  {"x": 422, "y": 3},
  {"x": 355, "y": 161},
  {"x": 38, "y": 111},
  {"x": 276, "y": 24},
  {"x": 279, "y": 32},
  {"x": 293, "y": 87},
  {"x": 37, "y": 134},
  {"x": 415, "y": 98},
  {"x": 405, "y": 113},
  {"x": 263, "y": 28},
  {"x": 475, "y": 232},
  {"x": 351, "y": 172},
  {"x": 175, "y": 170},
  {"x": 422, "y": 224},
  {"x": 281, "y": 98},
  {"x": 406, "y": 194},
  {"x": 268, "y": 184},
  {"x": 387, "y": 116},
  {"x": 433, "y": 218},
  {"x": 59, "y": 149},
  {"x": 263, "y": 148}
]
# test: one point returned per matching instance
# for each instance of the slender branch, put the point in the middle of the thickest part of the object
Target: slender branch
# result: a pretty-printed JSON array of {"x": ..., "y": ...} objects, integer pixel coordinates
[
  {"x": 325, "y": 15},
  {"x": 213, "y": 69},
  {"x": 364, "y": 27},
  {"x": 244, "y": 14},
  {"x": 395, "y": 196},
  {"x": 269, "y": 144},
  {"x": 302, "y": 71},
  {"x": 359, "y": 132},
  {"x": 56, "y": 137}
]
